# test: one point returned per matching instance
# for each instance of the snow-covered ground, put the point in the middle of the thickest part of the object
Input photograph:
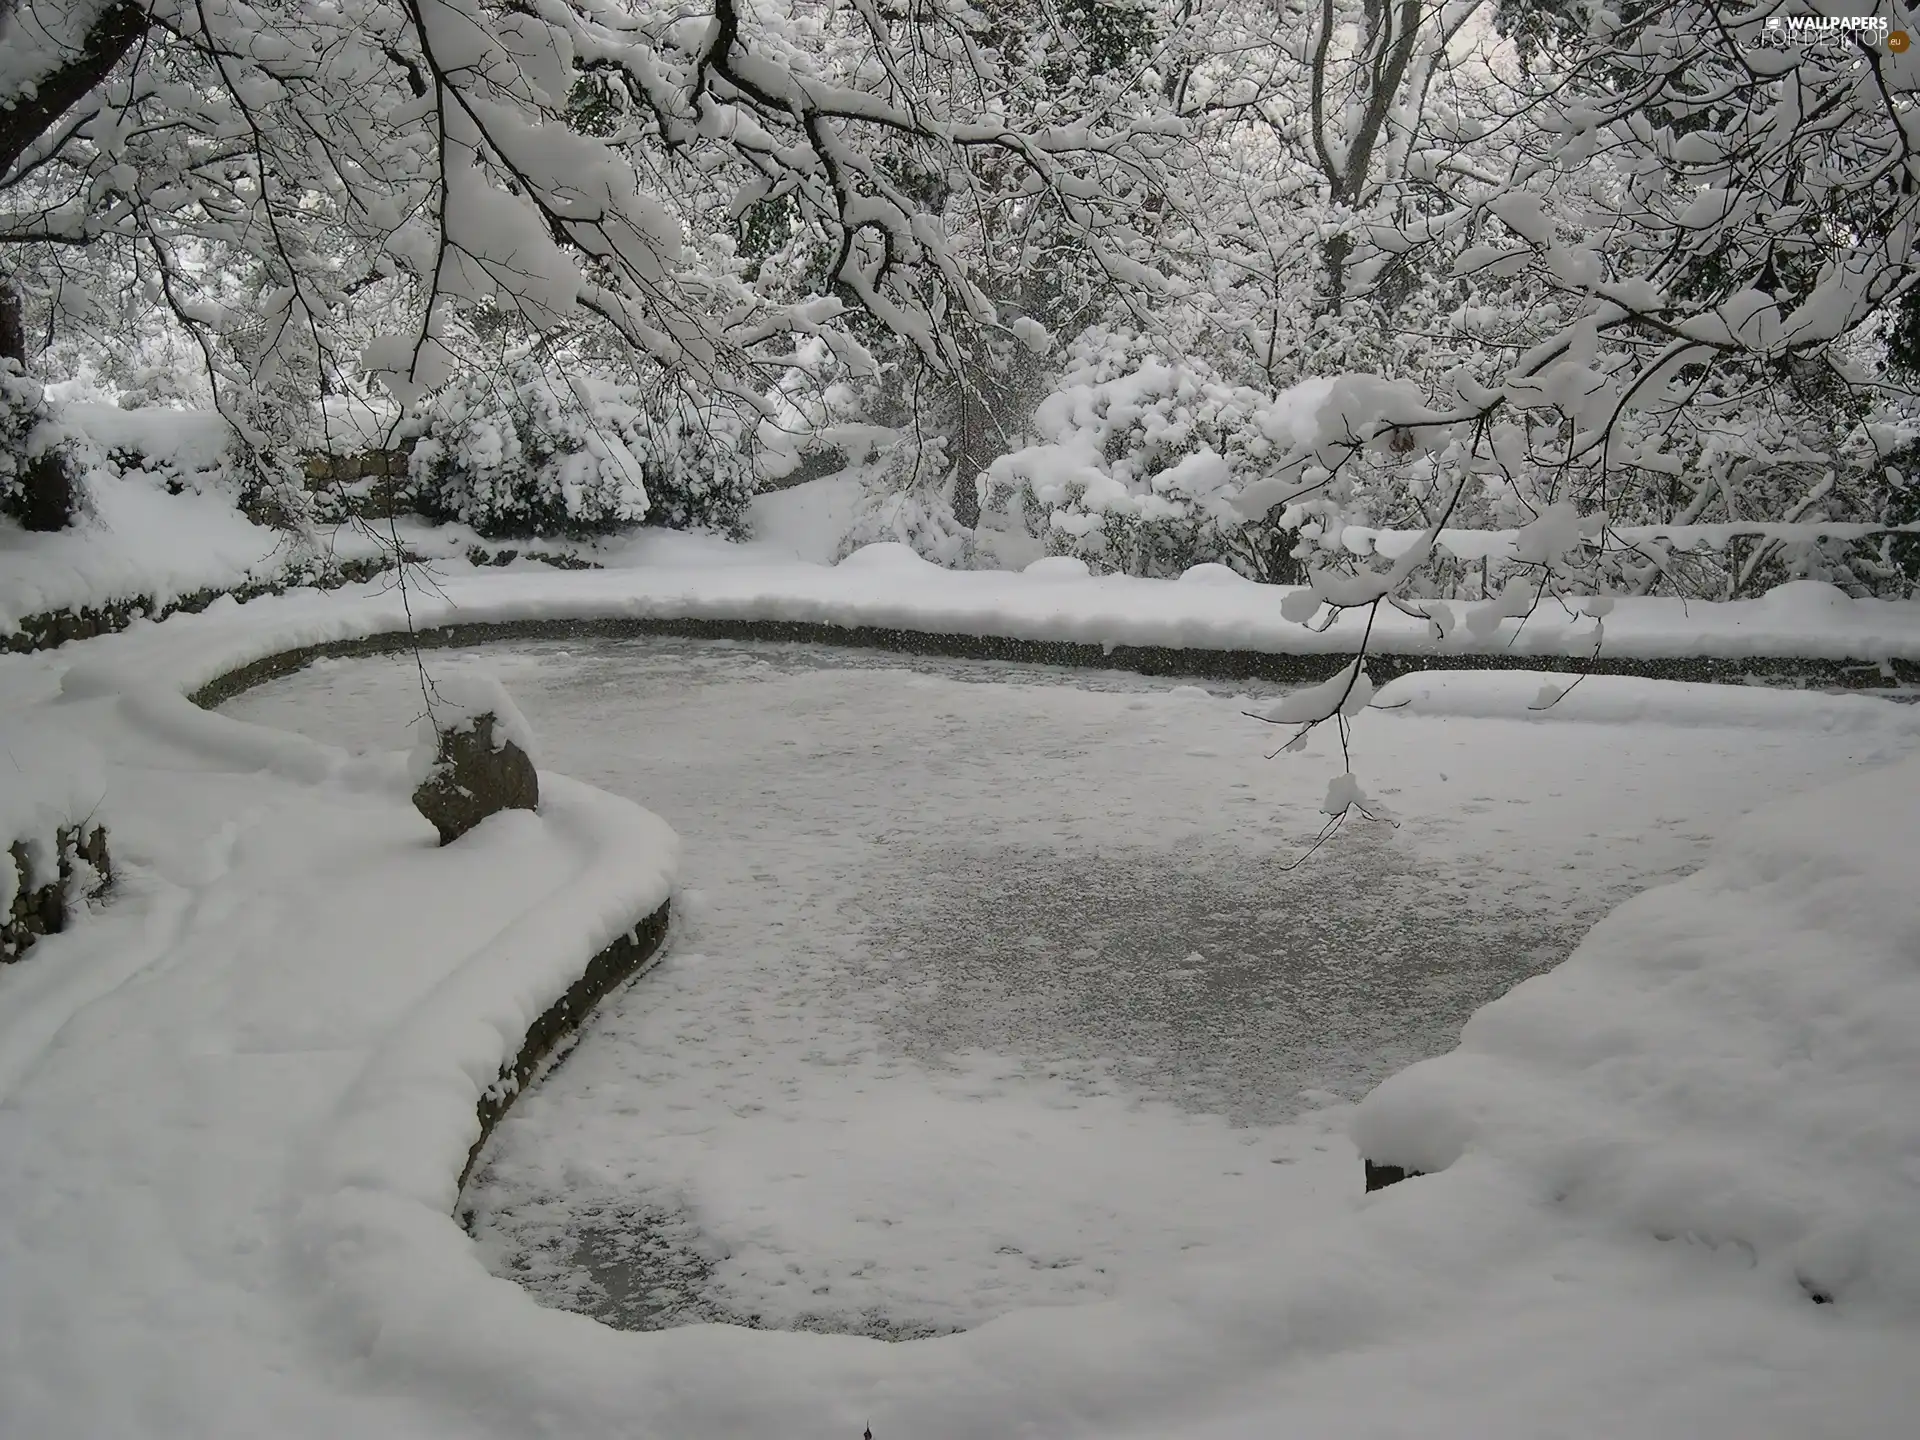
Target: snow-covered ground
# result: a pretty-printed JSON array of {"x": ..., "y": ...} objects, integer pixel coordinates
[
  {"x": 233, "y": 1104},
  {"x": 811, "y": 520},
  {"x": 138, "y": 542}
]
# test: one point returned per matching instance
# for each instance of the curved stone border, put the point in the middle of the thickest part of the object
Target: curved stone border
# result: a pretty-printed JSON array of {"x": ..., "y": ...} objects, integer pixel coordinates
[
  {"x": 1163, "y": 660},
  {"x": 606, "y": 972},
  {"x": 50, "y": 629},
  {"x": 626, "y": 957}
]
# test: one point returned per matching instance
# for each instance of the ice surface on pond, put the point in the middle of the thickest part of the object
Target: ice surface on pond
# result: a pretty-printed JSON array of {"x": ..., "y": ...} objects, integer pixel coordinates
[{"x": 991, "y": 985}]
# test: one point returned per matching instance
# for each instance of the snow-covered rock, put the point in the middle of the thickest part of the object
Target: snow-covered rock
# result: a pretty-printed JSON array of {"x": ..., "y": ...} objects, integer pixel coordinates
[{"x": 472, "y": 757}]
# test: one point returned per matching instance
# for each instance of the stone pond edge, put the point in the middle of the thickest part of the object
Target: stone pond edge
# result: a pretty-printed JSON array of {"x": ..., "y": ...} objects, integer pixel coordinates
[
  {"x": 553, "y": 1030},
  {"x": 550, "y": 1033},
  {"x": 1158, "y": 660}
]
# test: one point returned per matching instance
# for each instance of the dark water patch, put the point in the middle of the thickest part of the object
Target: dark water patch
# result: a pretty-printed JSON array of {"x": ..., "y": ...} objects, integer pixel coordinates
[{"x": 1225, "y": 984}]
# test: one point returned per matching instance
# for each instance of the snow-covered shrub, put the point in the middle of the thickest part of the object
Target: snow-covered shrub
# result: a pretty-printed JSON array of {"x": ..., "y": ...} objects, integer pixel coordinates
[
  {"x": 23, "y": 407},
  {"x": 906, "y": 496},
  {"x": 528, "y": 451},
  {"x": 1142, "y": 465},
  {"x": 179, "y": 451},
  {"x": 525, "y": 453},
  {"x": 1137, "y": 460},
  {"x": 698, "y": 463}
]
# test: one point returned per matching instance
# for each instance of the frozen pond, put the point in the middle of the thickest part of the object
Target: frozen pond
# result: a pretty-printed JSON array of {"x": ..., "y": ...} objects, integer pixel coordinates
[{"x": 992, "y": 986}]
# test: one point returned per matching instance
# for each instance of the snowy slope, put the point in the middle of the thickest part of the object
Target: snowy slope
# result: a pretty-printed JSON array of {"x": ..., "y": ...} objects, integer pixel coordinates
[
  {"x": 160, "y": 520},
  {"x": 1728, "y": 1063},
  {"x": 810, "y": 520}
]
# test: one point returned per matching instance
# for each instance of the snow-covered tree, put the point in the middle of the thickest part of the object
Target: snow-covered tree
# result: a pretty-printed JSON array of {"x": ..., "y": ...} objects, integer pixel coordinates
[
  {"x": 1691, "y": 227},
  {"x": 1688, "y": 256},
  {"x": 421, "y": 157}
]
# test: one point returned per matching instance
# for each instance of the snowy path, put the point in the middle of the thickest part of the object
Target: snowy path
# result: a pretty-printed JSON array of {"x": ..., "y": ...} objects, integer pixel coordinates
[{"x": 977, "y": 960}]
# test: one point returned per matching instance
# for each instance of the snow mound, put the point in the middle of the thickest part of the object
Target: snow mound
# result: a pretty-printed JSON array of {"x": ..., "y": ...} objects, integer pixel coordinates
[
  {"x": 810, "y": 520},
  {"x": 1059, "y": 567},
  {"x": 1209, "y": 573},
  {"x": 887, "y": 557},
  {"x": 42, "y": 770},
  {"x": 1729, "y": 1061},
  {"x": 1805, "y": 599}
]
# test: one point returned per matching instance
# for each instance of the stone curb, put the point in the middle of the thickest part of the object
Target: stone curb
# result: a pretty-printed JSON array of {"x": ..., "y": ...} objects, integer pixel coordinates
[
  {"x": 632, "y": 954},
  {"x": 1161, "y": 660},
  {"x": 551, "y": 1031}
]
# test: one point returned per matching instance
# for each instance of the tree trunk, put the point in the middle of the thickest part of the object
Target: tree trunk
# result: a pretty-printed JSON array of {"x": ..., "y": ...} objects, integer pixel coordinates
[
  {"x": 48, "y": 497},
  {"x": 51, "y": 499},
  {"x": 13, "y": 324},
  {"x": 1335, "y": 253},
  {"x": 967, "y": 464},
  {"x": 41, "y": 99}
]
